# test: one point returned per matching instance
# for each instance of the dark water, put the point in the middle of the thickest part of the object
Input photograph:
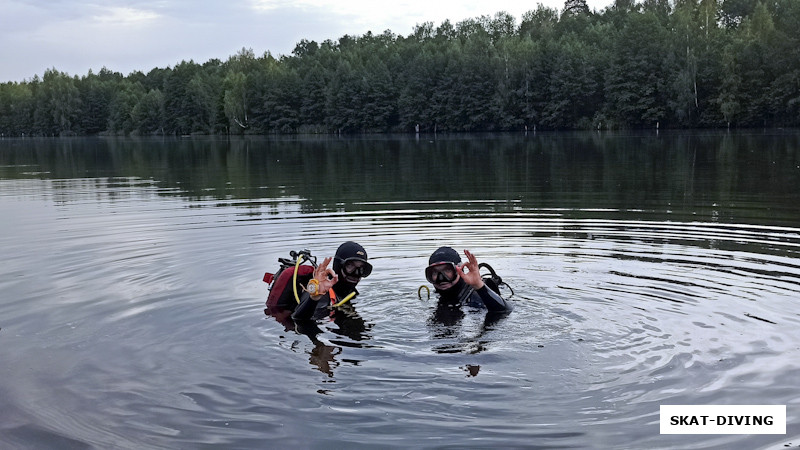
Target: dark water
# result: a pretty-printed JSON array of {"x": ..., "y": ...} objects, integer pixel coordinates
[{"x": 647, "y": 270}]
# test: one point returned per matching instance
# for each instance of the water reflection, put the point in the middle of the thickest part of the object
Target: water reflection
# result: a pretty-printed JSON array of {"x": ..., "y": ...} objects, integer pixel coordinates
[
  {"x": 343, "y": 321},
  {"x": 446, "y": 323},
  {"x": 713, "y": 175},
  {"x": 323, "y": 357},
  {"x": 471, "y": 369},
  {"x": 648, "y": 270}
]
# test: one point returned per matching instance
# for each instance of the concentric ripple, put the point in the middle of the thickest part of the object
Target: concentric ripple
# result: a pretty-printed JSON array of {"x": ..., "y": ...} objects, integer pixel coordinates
[{"x": 132, "y": 316}]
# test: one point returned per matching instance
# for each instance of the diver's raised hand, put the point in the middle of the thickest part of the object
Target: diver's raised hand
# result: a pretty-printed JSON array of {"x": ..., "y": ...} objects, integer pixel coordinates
[
  {"x": 473, "y": 275},
  {"x": 325, "y": 277}
]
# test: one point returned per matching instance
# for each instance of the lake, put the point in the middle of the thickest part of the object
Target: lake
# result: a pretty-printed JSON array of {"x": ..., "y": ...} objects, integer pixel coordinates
[{"x": 647, "y": 269}]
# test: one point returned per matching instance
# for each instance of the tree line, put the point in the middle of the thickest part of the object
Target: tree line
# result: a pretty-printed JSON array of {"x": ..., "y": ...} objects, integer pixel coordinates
[{"x": 648, "y": 64}]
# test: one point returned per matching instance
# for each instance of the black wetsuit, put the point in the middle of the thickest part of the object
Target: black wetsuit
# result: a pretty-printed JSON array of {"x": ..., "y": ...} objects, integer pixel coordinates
[
  {"x": 309, "y": 309},
  {"x": 463, "y": 294},
  {"x": 449, "y": 313},
  {"x": 347, "y": 320}
]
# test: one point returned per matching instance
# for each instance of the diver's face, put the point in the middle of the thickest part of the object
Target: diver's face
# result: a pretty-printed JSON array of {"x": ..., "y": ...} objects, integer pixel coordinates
[
  {"x": 354, "y": 270},
  {"x": 443, "y": 275}
]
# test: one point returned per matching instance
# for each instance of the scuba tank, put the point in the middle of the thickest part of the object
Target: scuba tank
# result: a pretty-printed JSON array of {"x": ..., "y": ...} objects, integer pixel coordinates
[{"x": 281, "y": 292}]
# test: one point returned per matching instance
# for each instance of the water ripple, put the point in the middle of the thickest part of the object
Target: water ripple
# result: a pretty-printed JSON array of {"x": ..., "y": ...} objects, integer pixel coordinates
[{"x": 148, "y": 315}]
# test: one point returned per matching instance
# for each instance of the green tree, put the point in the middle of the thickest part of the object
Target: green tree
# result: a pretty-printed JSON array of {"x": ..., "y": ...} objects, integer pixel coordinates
[
  {"x": 728, "y": 99},
  {"x": 539, "y": 24},
  {"x": 756, "y": 65},
  {"x": 343, "y": 99},
  {"x": 576, "y": 7},
  {"x": 235, "y": 100},
  {"x": 120, "y": 119},
  {"x": 16, "y": 109},
  {"x": 635, "y": 81},
  {"x": 148, "y": 113},
  {"x": 202, "y": 95},
  {"x": 97, "y": 93},
  {"x": 180, "y": 101},
  {"x": 785, "y": 89},
  {"x": 733, "y": 12},
  {"x": 58, "y": 104},
  {"x": 637, "y": 63},
  {"x": 574, "y": 88}
]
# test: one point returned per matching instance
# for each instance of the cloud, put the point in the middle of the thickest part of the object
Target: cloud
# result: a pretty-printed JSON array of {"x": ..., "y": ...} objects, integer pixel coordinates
[
  {"x": 361, "y": 16},
  {"x": 127, "y": 35},
  {"x": 125, "y": 16}
]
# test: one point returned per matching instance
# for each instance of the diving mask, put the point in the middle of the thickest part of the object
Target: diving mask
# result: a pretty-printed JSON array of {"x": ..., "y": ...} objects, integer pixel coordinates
[
  {"x": 441, "y": 272},
  {"x": 356, "y": 267}
]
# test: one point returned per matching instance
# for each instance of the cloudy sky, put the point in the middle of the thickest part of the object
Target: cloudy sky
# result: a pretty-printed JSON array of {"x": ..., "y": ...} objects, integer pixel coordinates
[{"x": 126, "y": 35}]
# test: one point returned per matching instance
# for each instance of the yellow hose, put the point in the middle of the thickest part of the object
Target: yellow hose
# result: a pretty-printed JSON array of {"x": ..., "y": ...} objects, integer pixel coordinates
[
  {"x": 294, "y": 278},
  {"x": 346, "y": 299},
  {"x": 419, "y": 292}
]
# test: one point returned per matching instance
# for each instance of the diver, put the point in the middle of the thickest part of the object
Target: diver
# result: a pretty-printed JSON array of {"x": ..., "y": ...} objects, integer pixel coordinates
[
  {"x": 300, "y": 305},
  {"x": 333, "y": 287},
  {"x": 457, "y": 287}
]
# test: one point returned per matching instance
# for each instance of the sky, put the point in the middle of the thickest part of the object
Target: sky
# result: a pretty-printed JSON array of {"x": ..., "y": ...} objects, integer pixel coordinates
[{"x": 128, "y": 35}]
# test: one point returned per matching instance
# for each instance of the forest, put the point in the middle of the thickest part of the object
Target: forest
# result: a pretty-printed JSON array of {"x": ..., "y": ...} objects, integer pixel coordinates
[{"x": 647, "y": 64}]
